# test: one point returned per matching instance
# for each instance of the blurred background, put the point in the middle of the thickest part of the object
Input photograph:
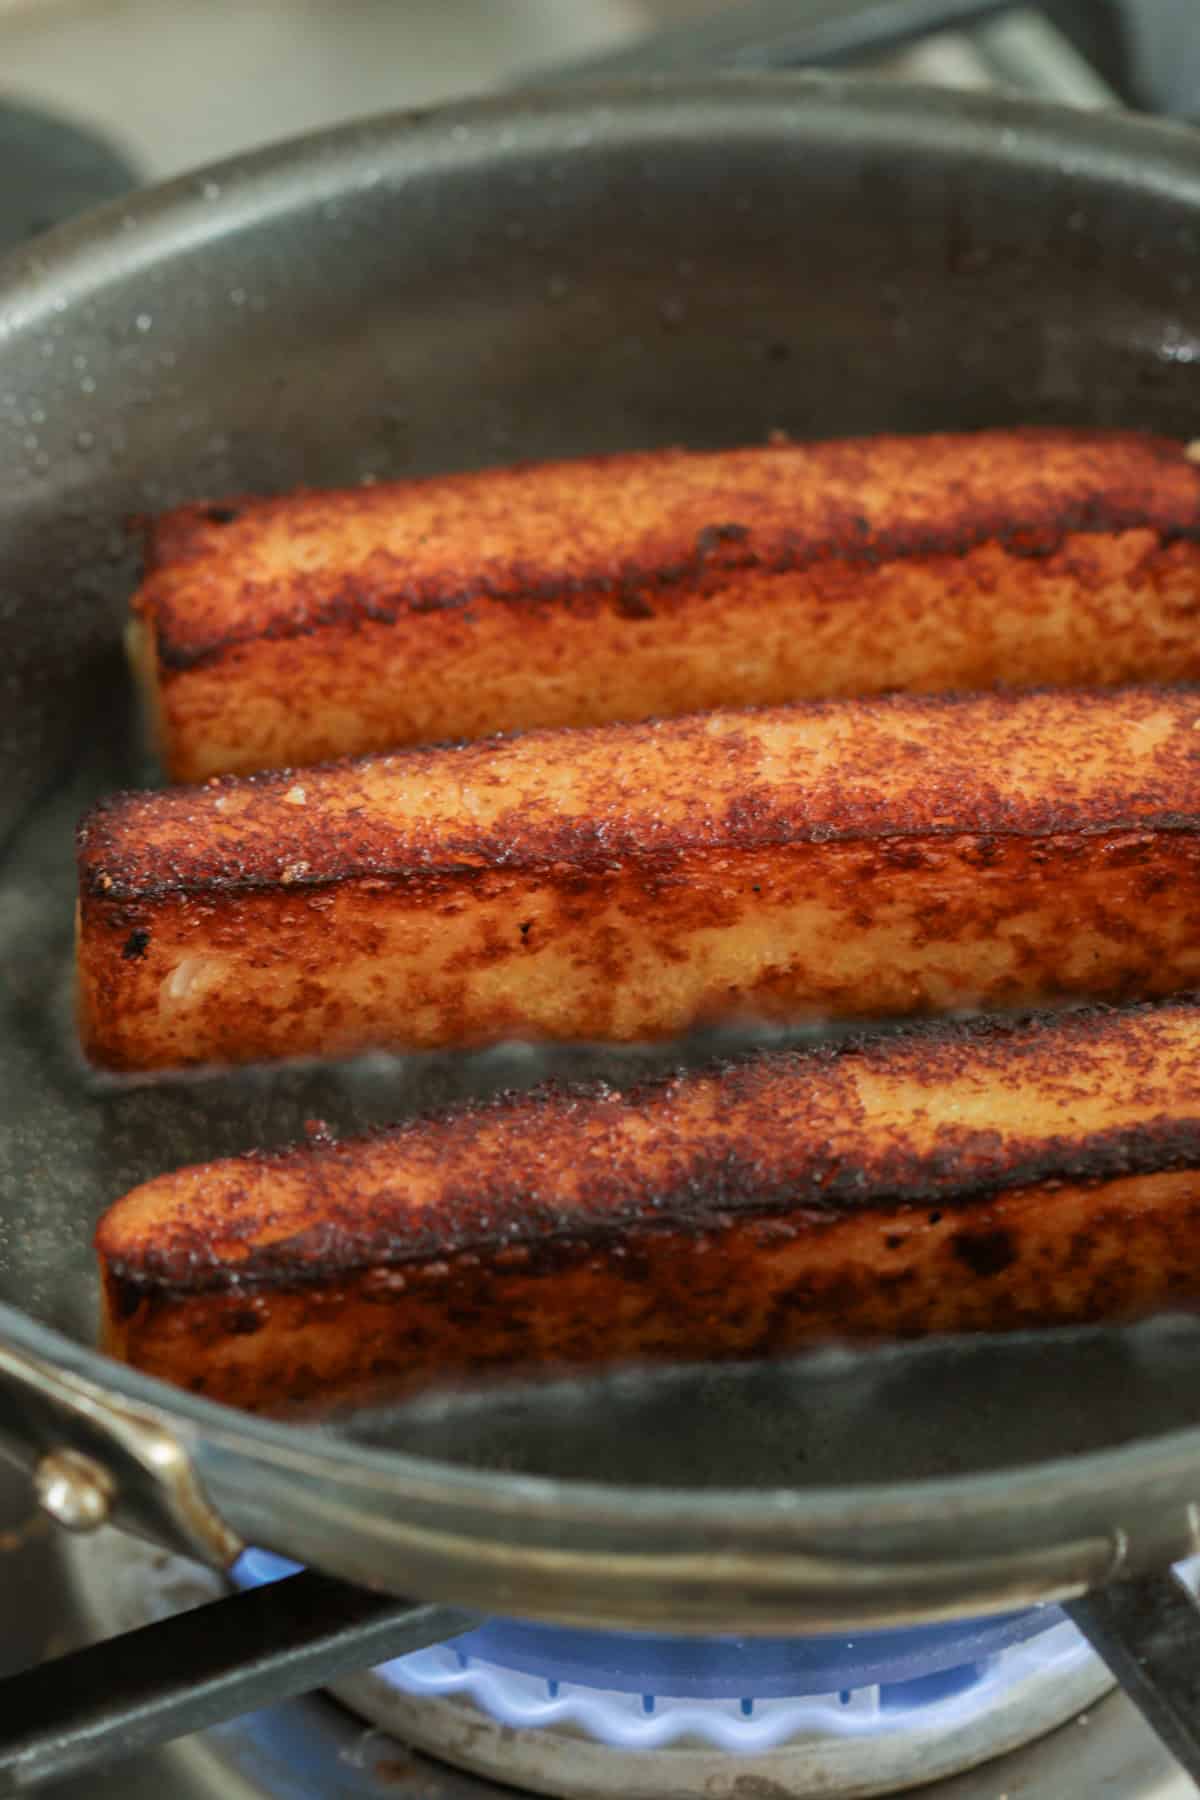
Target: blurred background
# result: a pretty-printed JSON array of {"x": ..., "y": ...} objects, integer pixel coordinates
[
  {"x": 171, "y": 84},
  {"x": 176, "y": 83}
]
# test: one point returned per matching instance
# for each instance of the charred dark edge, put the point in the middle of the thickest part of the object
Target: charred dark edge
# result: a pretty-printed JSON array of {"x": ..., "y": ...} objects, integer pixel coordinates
[
  {"x": 595, "y": 862},
  {"x": 103, "y": 828},
  {"x": 322, "y": 1255},
  {"x": 1030, "y": 537}
]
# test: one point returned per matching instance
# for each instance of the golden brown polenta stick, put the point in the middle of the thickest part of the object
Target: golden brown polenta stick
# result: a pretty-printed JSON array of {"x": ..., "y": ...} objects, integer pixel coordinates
[
  {"x": 952, "y": 1178},
  {"x": 628, "y": 882},
  {"x": 316, "y": 625}
]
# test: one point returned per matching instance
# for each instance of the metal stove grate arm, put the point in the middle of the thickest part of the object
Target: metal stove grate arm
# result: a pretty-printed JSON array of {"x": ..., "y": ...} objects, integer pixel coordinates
[{"x": 231, "y": 1656}]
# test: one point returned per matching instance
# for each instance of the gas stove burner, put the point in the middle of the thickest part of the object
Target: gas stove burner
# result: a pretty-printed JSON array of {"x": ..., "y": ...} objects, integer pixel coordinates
[
  {"x": 998, "y": 1686},
  {"x": 591, "y": 1714},
  {"x": 638, "y": 1691}
]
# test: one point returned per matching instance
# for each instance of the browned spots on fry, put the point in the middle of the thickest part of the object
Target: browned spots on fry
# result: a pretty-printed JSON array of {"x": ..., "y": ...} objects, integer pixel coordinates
[
  {"x": 613, "y": 529},
  {"x": 737, "y": 1211},
  {"x": 297, "y": 628},
  {"x": 842, "y": 858},
  {"x": 985, "y": 1253},
  {"x": 896, "y": 771}
]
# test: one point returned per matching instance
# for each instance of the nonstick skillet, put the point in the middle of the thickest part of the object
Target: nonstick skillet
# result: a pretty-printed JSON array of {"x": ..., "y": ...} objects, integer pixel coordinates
[{"x": 537, "y": 276}]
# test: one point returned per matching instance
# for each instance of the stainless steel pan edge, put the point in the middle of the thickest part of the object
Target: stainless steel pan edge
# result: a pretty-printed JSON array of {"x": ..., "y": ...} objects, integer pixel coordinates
[
  {"x": 197, "y": 1475},
  {"x": 201, "y": 1479}
]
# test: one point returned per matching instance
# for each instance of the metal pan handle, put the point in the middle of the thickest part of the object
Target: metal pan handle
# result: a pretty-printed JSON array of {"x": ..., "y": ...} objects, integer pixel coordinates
[
  {"x": 760, "y": 35},
  {"x": 1016, "y": 46},
  {"x": 96, "y": 1459}
]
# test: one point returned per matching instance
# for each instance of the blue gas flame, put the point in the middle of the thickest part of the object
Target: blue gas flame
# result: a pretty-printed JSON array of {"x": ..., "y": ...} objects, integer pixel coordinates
[{"x": 639, "y": 1691}]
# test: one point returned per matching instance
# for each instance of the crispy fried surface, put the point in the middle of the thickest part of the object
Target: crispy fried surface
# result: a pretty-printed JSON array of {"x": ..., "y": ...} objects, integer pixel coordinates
[
  {"x": 315, "y": 625},
  {"x": 852, "y": 858},
  {"x": 956, "y": 1177}
]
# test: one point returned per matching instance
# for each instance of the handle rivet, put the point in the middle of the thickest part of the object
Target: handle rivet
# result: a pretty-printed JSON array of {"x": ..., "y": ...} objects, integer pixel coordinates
[{"x": 75, "y": 1491}]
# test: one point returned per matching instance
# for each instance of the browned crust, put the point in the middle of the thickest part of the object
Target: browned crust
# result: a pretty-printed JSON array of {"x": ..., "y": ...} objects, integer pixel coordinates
[
  {"x": 788, "y": 1130},
  {"x": 631, "y": 882},
  {"x": 320, "y": 625},
  {"x": 656, "y": 522},
  {"x": 967, "y": 1176},
  {"x": 889, "y": 768}
]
